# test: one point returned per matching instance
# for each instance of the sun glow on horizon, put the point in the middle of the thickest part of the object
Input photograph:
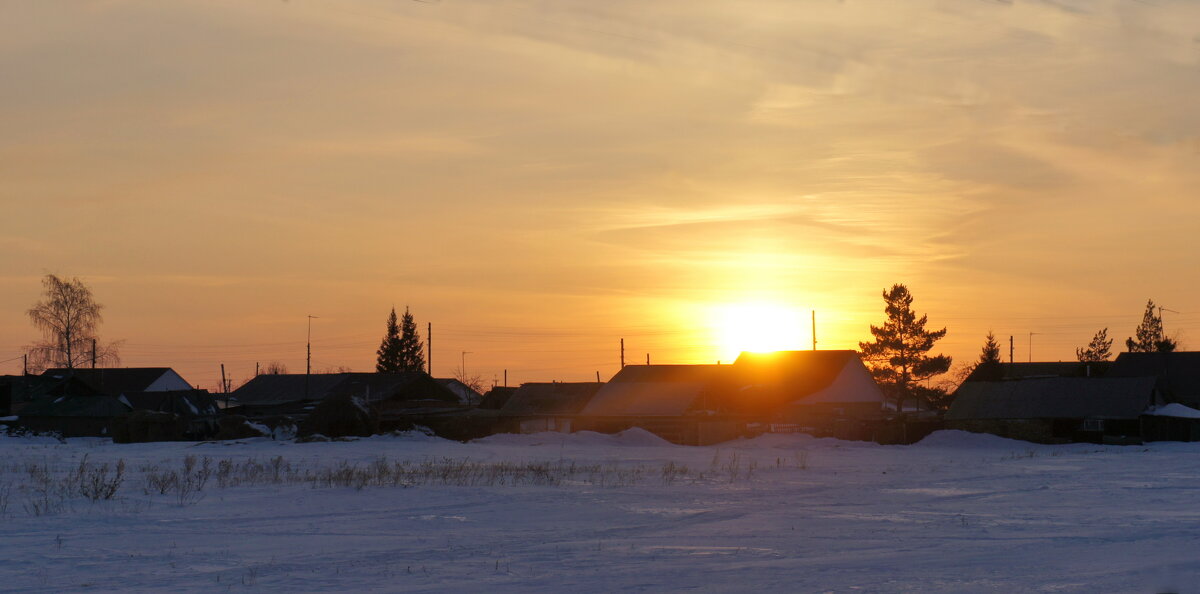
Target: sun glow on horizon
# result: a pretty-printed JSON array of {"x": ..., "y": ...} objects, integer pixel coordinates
[{"x": 757, "y": 327}]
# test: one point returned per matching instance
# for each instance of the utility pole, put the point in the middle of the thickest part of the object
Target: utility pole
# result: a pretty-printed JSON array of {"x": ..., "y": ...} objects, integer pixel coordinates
[
  {"x": 308, "y": 357},
  {"x": 1031, "y": 334},
  {"x": 597, "y": 377},
  {"x": 814, "y": 328},
  {"x": 505, "y": 378},
  {"x": 622, "y": 353},
  {"x": 647, "y": 358},
  {"x": 429, "y": 348},
  {"x": 1010, "y": 349},
  {"x": 224, "y": 385},
  {"x": 25, "y": 364}
]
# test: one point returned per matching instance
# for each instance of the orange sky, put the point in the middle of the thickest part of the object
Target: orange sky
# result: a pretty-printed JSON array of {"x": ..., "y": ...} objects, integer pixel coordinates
[{"x": 540, "y": 179}]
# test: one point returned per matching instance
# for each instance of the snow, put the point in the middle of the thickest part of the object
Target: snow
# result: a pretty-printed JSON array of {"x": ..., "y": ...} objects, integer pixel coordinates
[
  {"x": 957, "y": 512},
  {"x": 1175, "y": 410}
]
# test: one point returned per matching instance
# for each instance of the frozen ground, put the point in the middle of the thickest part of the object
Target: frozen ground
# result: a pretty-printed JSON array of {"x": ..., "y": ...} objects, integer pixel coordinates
[{"x": 955, "y": 513}]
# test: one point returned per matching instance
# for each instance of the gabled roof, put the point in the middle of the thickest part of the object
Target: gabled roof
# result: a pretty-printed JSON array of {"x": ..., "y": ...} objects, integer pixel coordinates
[
  {"x": 1054, "y": 398},
  {"x": 550, "y": 399},
  {"x": 115, "y": 380},
  {"x": 466, "y": 395},
  {"x": 1010, "y": 371},
  {"x": 790, "y": 376},
  {"x": 660, "y": 390},
  {"x": 1180, "y": 372},
  {"x": 497, "y": 397},
  {"x": 373, "y": 387},
  {"x": 284, "y": 387},
  {"x": 281, "y": 388},
  {"x": 185, "y": 403},
  {"x": 103, "y": 406}
]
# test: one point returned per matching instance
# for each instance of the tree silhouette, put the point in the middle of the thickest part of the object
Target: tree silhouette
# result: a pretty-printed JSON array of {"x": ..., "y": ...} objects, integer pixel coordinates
[
  {"x": 898, "y": 357},
  {"x": 389, "y": 358},
  {"x": 990, "y": 354},
  {"x": 1099, "y": 349},
  {"x": 1149, "y": 337},
  {"x": 412, "y": 356},
  {"x": 68, "y": 317}
]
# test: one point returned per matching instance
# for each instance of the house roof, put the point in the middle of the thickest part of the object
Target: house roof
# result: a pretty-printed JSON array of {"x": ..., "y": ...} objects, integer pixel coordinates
[
  {"x": 75, "y": 406},
  {"x": 1054, "y": 398},
  {"x": 792, "y": 375},
  {"x": 466, "y": 395},
  {"x": 556, "y": 398},
  {"x": 373, "y": 387},
  {"x": 114, "y": 380},
  {"x": 1025, "y": 370},
  {"x": 185, "y": 403},
  {"x": 284, "y": 387},
  {"x": 658, "y": 390},
  {"x": 497, "y": 397},
  {"x": 280, "y": 388},
  {"x": 1180, "y": 372}
]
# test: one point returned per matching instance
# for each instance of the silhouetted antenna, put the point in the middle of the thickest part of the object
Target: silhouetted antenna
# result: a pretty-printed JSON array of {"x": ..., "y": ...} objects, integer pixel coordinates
[
  {"x": 1010, "y": 349},
  {"x": 647, "y": 358},
  {"x": 308, "y": 357},
  {"x": 429, "y": 348},
  {"x": 814, "y": 328},
  {"x": 622, "y": 353},
  {"x": 1162, "y": 331}
]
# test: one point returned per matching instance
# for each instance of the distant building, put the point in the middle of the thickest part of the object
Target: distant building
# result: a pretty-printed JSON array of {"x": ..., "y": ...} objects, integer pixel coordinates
[
  {"x": 821, "y": 392},
  {"x": 116, "y": 380},
  {"x": 1056, "y": 409},
  {"x": 537, "y": 407}
]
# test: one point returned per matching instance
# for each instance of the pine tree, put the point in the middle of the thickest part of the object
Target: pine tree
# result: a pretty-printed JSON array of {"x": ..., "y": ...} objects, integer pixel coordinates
[
  {"x": 1099, "y": 349},
  {"x": 389, "y": 358},
  {"x": 412, "y": 354},
  {"x": 898, "y": 356},
  {"x": 990, "y": 355},
  {"x": 1149, "y": 337}
]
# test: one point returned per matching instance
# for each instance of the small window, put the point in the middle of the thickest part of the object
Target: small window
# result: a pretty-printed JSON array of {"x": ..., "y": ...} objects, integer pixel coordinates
[{"x": 1094, "y": 425}]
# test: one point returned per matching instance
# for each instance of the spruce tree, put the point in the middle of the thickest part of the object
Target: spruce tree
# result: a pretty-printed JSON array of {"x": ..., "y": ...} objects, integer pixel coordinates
[
  {"x": 898, "y": 357},
  {"x": 1099, "y": 349},
  {"x": 1149, "y": 337},
  {"x": 388, "y": 357},
  {"x": 412, "y": 354},
  {"x": 990, "y": 355}
]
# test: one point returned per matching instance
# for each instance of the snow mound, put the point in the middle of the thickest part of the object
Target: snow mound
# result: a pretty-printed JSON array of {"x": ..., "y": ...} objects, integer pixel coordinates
[
  {"x": 948, "y": 438},
  {"x": 1175, "y": 410}
]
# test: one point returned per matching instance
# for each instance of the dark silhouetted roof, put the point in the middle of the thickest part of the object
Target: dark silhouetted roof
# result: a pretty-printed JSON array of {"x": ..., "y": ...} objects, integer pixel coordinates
[
  {"x": 497, "y": 397},
  {"x": 279, "y": 388},
  {"x": 270, "y": 389},
  {"x": 185, "y": 403},
  {"x": 466, "y": 395},
  {"x": 116, "y": 380},
  {"x": 1179, "y": 371},
  {"x": 1054, "y": 398},
  {"x": 659, "y": 390},
  {"x": 75, "y": 406},
  {"x": 1009, "y": 371},
  {"x": 550, "y": 399}
]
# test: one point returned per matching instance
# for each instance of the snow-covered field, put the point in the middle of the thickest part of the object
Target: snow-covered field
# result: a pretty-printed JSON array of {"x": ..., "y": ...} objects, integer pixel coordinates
[{"x": 596, "y": 513}]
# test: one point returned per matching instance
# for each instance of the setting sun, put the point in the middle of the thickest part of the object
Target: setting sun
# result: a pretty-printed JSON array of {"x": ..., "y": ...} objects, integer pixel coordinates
[{"x": 758, "y": 327}]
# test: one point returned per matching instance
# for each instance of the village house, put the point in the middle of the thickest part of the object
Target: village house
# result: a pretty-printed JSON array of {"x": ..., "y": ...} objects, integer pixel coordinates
[
  {"x": 820, "y": 392},
  {"x": 536, "y": 407}
]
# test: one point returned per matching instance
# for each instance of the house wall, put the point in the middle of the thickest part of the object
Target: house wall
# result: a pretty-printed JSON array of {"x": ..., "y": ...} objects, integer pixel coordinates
[
  {"x": 853, "y": 384},
  {"x": 167, "y": 382},
  {"x": 1035, "y": 430}
]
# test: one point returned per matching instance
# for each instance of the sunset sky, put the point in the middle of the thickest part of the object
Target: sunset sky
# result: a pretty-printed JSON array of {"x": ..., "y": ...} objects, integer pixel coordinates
[{"x": 539, "y": 179}]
